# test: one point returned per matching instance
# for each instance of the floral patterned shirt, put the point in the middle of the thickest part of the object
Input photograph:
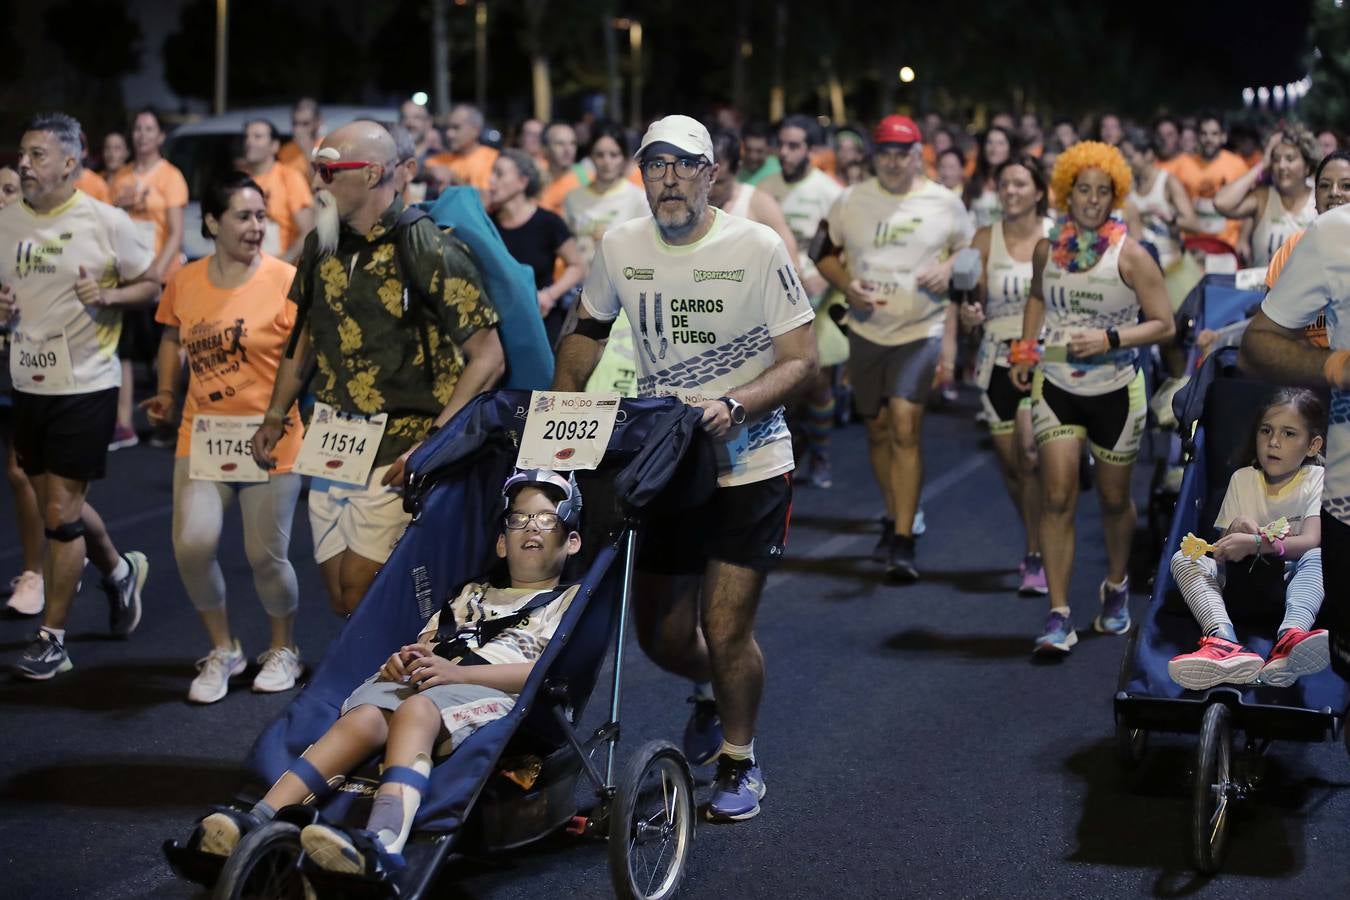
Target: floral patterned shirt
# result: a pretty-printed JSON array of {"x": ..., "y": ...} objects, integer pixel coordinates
[{"x": 367, "y": 344}]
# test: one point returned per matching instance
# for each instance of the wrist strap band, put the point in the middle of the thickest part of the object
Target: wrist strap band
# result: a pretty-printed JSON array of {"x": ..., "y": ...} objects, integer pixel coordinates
[{"x": 1024, "y": 353}]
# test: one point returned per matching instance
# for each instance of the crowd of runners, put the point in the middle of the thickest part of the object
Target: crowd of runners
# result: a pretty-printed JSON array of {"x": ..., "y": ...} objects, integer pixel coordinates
[{"x": 810, "y": 275}]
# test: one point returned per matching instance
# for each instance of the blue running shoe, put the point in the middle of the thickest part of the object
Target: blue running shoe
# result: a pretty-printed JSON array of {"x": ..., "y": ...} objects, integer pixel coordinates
[
  {"x": 737, "y": 790},
  {"x": 703, "y": 733},
  {"x": 1059, "y": 636},
  {"x": 1115, "y": 615}
]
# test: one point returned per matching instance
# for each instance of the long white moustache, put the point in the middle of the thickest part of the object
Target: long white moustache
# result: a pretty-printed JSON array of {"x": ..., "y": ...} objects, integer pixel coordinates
[{"x": 327, "y": 225}]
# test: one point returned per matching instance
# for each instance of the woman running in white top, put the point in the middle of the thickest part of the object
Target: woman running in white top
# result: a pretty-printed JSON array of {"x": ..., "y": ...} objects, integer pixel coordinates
[
  {"x": 1159, "y": 198},
  {"x": 1283, "y": 207},
  {"x": 1091, "y": 286},
  {"x": 610, "y": 198},
  {"x": 981, "y": 193}
]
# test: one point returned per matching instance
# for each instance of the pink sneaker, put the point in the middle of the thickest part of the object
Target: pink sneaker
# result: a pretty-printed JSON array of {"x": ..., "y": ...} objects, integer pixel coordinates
[
  {"x": 1033, "y": 577},
  {"x": 1296, "y": 654},
  {"x": 29, "y": 597},
  {"x": 1215, "y": 661},
  {"x": 123, "y": 437}
]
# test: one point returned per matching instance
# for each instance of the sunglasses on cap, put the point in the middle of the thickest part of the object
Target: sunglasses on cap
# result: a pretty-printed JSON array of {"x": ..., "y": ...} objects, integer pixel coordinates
[{"x": 327, "y": 170}]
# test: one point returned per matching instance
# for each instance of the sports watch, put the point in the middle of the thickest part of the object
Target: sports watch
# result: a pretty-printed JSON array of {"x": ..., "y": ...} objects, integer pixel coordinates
[
  {"x": 737, "y": 411},
  {"x": 1113, "y": 338}
]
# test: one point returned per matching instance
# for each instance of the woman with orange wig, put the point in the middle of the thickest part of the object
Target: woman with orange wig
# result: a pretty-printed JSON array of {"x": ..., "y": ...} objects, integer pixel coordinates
[{"x": 1099, "y": 296}]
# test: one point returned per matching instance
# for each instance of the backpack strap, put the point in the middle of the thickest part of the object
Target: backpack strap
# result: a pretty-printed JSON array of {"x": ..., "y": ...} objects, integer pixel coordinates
[{"x": 488, "y": 630}]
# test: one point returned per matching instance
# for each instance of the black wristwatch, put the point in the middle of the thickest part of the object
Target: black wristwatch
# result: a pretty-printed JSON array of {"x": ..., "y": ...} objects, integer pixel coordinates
[
  {"x": 1113, "y": 338},
  {"x": 737, "y": 411}
]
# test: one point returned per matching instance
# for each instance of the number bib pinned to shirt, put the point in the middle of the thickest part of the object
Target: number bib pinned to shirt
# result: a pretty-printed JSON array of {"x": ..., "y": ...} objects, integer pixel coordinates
[
  {"x": 221, "y": 449},
  {"x": 41, "y": 363},
  {"x": 340, "y": 446},
  {"x": 565, "y": 431}
]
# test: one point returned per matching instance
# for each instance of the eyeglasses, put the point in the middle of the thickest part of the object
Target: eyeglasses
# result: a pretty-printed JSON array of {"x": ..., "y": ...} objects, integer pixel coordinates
[
  {"x": 544, "y": 521},
  {"x": 686, "y": 167},
  {"x": 327, "y": 170}
]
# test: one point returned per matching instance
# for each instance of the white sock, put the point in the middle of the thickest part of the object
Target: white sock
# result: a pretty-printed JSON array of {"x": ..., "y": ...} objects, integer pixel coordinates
[
  {"x": 703, "y": 690},
  {"x": 1062, "y": 610},
  {"x": 738, "y": 751},
  {"x": 1116, "y": 587},
  {"x": 121, "y": 570},
  {"x": 412, "y": 798},
  {"x": 58, "y": 633}
]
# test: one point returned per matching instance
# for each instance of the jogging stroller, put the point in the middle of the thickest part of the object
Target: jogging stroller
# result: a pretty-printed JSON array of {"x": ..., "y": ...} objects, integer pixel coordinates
[
  {"x": 453, "y": 490},
  {"x": 1214, "y": 413}
]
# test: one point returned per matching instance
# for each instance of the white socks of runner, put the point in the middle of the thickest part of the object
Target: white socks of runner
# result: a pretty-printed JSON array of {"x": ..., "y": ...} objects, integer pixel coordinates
[
  {"x": 120, "y": 571},
  {"x": 738, "y": 751},
  {"x": 391, "y": 815}
]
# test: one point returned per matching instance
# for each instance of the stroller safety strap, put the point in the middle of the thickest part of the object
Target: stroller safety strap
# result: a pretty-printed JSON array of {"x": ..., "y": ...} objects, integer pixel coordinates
[
  {"x": 455, "y": 644},
  {"x": 312, "y": 777},
  {"x": 405, "y": 775}
]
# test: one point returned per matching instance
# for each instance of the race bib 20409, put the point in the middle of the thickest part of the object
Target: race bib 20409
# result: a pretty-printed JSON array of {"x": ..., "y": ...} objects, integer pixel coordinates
[{"x": 37, "y": 363}]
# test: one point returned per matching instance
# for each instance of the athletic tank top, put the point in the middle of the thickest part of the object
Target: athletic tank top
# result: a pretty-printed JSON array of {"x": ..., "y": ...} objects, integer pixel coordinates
[
  {"x": 1157, "y": 213},
  {"x": 985, "y": 209},
  {"x": 1277, "y": 224},
  {"x": 1007, "y": 286},
  {"x": 740, "y": 205},
  {"x": 1097, "y": 298}
]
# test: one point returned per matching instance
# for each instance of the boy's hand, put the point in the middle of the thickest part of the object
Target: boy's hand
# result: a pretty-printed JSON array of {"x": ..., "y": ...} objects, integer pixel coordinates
[{"x": 429, "y": 671}]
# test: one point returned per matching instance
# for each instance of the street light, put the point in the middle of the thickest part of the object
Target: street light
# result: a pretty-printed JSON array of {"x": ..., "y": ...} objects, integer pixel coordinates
[{"x": 906, "y": 74}]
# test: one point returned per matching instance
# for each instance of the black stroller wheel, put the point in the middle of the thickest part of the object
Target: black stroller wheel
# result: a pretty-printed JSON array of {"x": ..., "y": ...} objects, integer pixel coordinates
[
  {"x": 1213, "y": 791},
  {"x": 651, "y": 824},
  {"x": 265, "y": 866},
  {"x": 1131, "y": 743}
]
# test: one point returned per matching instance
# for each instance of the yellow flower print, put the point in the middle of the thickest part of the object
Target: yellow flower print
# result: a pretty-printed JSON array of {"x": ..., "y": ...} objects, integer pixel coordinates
[
  {"x": 349, "y": 334},
  {"x": 461, "y": 296},
  {"x": 330, "y": 379},
  {"x": 334, "y": 278},
  {"x": 380, "y": 259},
  {"x": 363, "y": 392},
  {"x": 391, "y": 295}
]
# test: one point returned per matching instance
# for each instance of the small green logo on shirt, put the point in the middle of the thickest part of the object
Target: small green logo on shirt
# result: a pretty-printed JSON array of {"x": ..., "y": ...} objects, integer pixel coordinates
[{"x": 633, "y": 274}]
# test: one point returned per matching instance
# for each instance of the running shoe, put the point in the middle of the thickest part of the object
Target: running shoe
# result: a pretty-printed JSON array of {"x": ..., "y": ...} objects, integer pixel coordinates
[
  {"x": 920, "y": 525},
  {"x": 221, "y": 831},
  {"x": 900, "y": 567},
  {"x": 357, "y": 852},
  {"x": 1215, "y": 661},
  {"x": 1115, "y": 615},
  {"x": 214, "y": 672},
  {"x": 124, "y": 597},
  {"x": 737, "y": 790},
  {"x": 1058, "y": 638},
  {"x": 28, "y": 597},
  {"x": 1295, "y": 654},
  {"x": 1033, "y": 577},
  {"x": 280, "y": 668},
  {"x": 703, "y": 732},
  {"x": 43, "y": 658},
  {"x": 881, "y": 552},
  {"x": 820, "y": 471},
  {"x": 122, "y": 438}
]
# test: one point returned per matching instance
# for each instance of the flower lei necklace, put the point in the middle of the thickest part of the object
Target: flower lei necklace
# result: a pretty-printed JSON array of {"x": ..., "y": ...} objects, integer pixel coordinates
[{"x": 1075, "y": 251}]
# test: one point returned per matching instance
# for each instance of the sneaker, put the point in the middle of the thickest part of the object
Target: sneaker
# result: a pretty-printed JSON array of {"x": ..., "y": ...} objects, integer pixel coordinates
[
  {"x": 164, "y": 437},
  {"x": 1115, "y": 615},
  {"x": 737, "y": 790},
  {"x": 819, "y": 472},
  {"x": 1033, "y": 577},
  {"x": 1294, "y": 655},
  {"x": 280, "y": 668},
  {"x": 44, "y": 657},
  {"x": 221, "y": 831},
  {"x": 123, "y": 437},
  {"x": 28, "y": 597},
  {"x": 703, "y": 733},
  {"x": 900, "y": 568},
  {"x": 920, "y": 526},
  {"x": 356, "y": 852},
  {"x": 124, "y": 597},
  {"x": 882, "y": 551},
  {"x": 214, "y": 672},
  {"x": 1058, "y": 638},
  {"x": 1215, "y": 661}
]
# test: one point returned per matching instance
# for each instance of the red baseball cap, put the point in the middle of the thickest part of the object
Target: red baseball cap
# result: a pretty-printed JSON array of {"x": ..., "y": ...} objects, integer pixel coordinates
[{"x": 897, "y": 130}]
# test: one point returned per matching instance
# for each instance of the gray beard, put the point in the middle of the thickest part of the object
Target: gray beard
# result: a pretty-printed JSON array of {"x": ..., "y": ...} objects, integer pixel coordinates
[
  {"x": 677, "y": 230},
  {"x": 327, "y": 225}
]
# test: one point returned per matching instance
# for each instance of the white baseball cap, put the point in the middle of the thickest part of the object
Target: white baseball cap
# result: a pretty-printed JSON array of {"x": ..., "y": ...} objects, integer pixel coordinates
[{"x": 683, "y": 134}]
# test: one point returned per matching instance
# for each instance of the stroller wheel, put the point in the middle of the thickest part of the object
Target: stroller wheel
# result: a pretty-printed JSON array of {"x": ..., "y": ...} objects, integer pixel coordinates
[
  {"x": 1214, "y": 789},
  {"x": 651, "y": 824},
  {"x": 1131, "y": 743},
  {"x": 266, "y": 866}
]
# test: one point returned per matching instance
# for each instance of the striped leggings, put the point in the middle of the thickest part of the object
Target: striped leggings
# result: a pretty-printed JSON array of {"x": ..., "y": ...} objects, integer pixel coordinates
[{"x": 1202, "y": 585}]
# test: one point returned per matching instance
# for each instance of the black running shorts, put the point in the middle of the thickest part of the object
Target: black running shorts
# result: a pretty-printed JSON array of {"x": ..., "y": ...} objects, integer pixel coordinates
[
  {"x": 745, "y": 525},
  {"x": 65, "y": 435}
]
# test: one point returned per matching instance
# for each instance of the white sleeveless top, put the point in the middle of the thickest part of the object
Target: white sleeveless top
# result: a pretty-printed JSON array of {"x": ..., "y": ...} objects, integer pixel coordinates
[
  {"x": 1157, "y": 213},
  {"x": 986, "y": 209},
  {"x": 1277, "y": 224},
  {"x": 1007, "y": 287},
  {"x": 740, "y": 204},
  {"x": 1097, "y": 298}
]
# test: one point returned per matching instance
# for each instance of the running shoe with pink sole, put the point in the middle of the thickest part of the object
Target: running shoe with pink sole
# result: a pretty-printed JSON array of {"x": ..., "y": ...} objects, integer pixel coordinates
[
  {"x": 1216, "y": 661},
  {"x": 1294, "y": 655}
]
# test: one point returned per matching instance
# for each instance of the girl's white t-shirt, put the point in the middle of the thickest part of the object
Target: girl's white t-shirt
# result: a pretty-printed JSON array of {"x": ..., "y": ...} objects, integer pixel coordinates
[{"x": 1297, "y": 499}]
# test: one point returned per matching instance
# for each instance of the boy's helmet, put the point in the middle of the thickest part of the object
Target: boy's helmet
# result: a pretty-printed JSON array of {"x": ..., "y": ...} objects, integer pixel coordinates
[{"x": 563, "y": 489}]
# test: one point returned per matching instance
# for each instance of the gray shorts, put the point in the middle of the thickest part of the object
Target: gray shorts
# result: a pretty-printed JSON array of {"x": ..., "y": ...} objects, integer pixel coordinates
[
  {"x": 465, "y": 708},
  {"x": 877, "y": 372}
]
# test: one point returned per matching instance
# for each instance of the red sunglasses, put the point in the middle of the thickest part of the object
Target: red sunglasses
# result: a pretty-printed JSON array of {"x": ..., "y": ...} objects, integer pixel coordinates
[{"x": 326, "y": 170}]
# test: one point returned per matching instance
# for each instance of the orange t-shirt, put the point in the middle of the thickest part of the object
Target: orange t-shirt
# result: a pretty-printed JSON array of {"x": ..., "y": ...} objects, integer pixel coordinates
[
  {"x": 555, "y": 192},
  {"x": 291, "y": 155},
  {"x": 474, "y": 167},
  {"x": 235, "y": 340},
  {"x": 147, "y": 197},
  {"x": 93, "y": 184},
  {"x": 1202, "y": 181},
  {"x": 287, "y": 192},
  {"x": 1316, "y": 332}
]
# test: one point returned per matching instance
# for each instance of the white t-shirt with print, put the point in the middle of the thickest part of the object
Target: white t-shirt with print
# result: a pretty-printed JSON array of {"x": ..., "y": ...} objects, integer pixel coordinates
[
  {"x": 590, "y": 214},
  {"x": 887, "y": 239},
  {"x": 522, "y": 644},
  {"x": 705, "y": 316},
  {"x": 41, "y": 255},
  {"x": 1298, "y": 499},
  {"x": 805, "y": 205},
  {"x": 1316, "y": 279}
]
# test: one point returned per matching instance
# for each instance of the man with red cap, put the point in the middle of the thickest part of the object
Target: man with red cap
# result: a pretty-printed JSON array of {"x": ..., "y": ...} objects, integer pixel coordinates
[{"x": 889, "y": 246}]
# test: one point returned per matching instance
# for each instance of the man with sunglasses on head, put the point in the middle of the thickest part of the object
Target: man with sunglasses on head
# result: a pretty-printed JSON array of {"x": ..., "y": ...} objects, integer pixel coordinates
[
  {"x": 721, "y": 322},
  {"x": 889, "y": 247},
  {"x": 393, "y": 318}
]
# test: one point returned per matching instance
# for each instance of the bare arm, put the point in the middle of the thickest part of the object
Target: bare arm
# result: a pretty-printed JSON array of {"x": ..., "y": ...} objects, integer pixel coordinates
[
  {"x": 1281, "y": 354},
  {"x": 143, "y": 290},
  {"x": 285, "y": 391},
  {"x": 794, "y": 364},
  {"x": 578, "y": 355},
  {"x": 159, "y": 408},
  {"x": 971, "y": 315},
  {"x": 1033, "y": 316},
  {"x": 1134, "y": 223},
  {"x": 484, "y": 364},
  {"x": 1240, "y": 199},
  {"x": 571, "y": 276},
  {"x": 765, "y": 210},
  {"x": 173, "y": 242},
  {"x": 304, "y": 224},
  {"x": 1142, "y": 274},
  {"x": 1186, "y": 218}
]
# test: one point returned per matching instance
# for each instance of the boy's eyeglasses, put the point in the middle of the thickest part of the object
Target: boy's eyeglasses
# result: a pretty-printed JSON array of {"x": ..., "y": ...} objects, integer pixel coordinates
[
  {"x": 544, "y": 521},
  {"x": 327, "y": 170},
  {"x": 686, "y": 167}
]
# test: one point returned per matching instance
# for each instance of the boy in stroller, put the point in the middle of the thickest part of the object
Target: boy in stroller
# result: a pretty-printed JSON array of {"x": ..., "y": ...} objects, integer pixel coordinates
[{"x": 462, "y": 672}]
